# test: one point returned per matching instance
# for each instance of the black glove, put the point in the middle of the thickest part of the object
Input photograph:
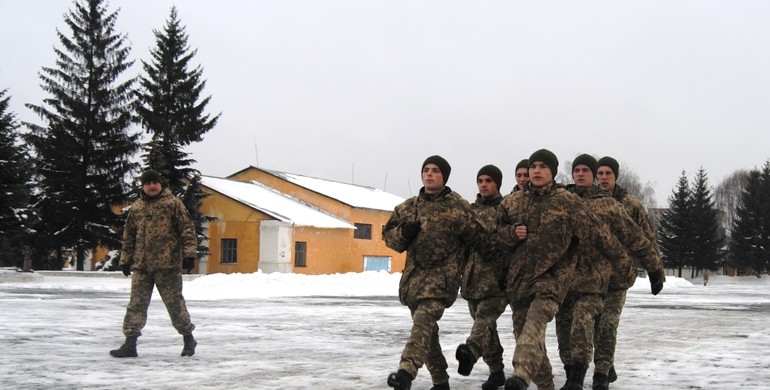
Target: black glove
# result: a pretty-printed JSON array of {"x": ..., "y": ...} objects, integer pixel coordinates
[
  {"x": 126, "y": 269},
  {"x": 188, "y": 263},
  {"x": 657, "y": 278},
  {"x": 410, "y": 229}
]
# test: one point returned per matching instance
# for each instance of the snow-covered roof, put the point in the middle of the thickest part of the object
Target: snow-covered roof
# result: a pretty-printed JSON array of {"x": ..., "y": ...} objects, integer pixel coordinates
[
  {"x": 350, "y": 194},
  {"x": 274, "y": 203}
]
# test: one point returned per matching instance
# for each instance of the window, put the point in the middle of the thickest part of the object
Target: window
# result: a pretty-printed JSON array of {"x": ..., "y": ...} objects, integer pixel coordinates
[
  {"x": 363, "y": 231},
  {"x": 229, "y": 251},
  {"x": 377, "y": 263},
  {"x": 300, "y": 254}
]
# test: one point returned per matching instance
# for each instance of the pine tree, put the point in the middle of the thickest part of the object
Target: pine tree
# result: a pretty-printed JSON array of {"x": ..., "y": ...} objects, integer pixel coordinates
[
  {"x": 15, "y": 187},
  {"x": 749, "y": 245},
  {"x": 675, "y": 229},
  {"x": 708, "y": 236},
  {"x": 172, "y": 111},
  {"x": 83, "y": 152}
]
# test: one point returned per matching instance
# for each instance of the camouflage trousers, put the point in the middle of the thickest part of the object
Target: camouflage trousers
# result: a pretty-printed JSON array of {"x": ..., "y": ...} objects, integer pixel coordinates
[
  {"x": 530, "y": 358},
  {"x": 484, "y": 340},
  {"x": 169, "y": 284},
  {"x": 607, "y": 330},
  {"x": 423, "y": 346},
  {"x": 575, "y": 324}
]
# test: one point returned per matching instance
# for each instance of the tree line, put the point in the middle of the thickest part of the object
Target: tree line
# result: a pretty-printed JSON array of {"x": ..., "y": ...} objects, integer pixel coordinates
[
  {"x": 708, "y": 229},
  {"x": 65, "y": 181}
]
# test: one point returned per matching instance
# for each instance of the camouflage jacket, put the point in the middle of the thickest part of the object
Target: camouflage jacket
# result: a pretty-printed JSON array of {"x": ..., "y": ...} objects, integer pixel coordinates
[
  {"x": 483, "y": 273},
  {"x": 158, "y": 233},
  {"x": 544, "y": 262},
  {"x": 434, "y": 259},
  {"x": 593, "y": 270},
  {"x": 635, "y": 211}
]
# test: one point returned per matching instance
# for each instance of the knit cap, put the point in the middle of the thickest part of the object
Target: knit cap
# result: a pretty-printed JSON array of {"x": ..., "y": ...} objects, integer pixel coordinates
[
  {"x": 442, "y": 164},
  {"x": 493, "y": 172}
]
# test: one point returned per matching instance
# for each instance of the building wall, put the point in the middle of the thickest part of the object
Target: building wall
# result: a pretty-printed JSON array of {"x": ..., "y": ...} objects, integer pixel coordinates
[
  {"x": 233, "y": 220},
  {"x": 356, "y": 249}
]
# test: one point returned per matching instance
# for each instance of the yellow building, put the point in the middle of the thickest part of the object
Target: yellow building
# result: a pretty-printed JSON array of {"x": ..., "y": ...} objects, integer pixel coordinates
[{"x": 280, "y": 222}]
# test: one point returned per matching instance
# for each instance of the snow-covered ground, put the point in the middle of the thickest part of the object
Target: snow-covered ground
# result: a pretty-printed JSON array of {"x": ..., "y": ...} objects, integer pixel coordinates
[{"x": 265, "y": 331}]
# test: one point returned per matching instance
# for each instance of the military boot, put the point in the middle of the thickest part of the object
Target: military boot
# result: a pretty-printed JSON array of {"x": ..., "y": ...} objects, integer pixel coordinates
[
  {"x": 577, "y": 376},
  {"x": 440, "y": 386},
  {"x": 189, "y": 345},
  {"x": 128, "y": 349},
  {"x": 465, "y": 359},
  {"x": 612, "y": 376},
  {"x": 400, "y": 380},
  {"x": 495, "y": 380},
  {"x": 515, "y": 383},
  {"x": 601, "y": 382}
]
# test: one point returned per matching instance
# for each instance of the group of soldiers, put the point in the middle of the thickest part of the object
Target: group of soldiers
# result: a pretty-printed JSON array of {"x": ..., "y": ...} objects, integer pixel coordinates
[{"x": 546, "y": 250}]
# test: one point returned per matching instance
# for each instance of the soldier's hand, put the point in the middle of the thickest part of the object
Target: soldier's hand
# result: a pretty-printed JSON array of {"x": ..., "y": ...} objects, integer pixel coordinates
[
  {"x": 126, "y": 268},
  {"x": 520, "y": 231},
  {"x": 188, "y": 263},
  {"x": 657, "y": 278},
  {"x": 410, "y": 229}
]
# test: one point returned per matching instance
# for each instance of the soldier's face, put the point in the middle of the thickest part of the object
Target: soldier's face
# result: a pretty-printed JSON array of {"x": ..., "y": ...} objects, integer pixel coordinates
[
  {"x": 487, "y": 186},
  {"x": 606, "y": 178},
  {"x": 432, "y": 178},
  {"x": 582, "y": 176},
  {"x": 539, "y": 174},
  {"x": 151, "y": 188},
  {"x": 522, "y": 177}
]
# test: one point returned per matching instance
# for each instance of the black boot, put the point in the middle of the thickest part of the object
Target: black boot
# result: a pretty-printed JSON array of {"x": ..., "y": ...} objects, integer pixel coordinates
[
  {"x": 128, "y": 349},
  {"x": 465, "y": 358},
  {"x": 440, "y": 386},
  {"x": 189, "y": 345},
  {"x": 612, "y": 376},
  {"x": 400, "y": 380},
  {"x": 577, "y": 376},
  {"x": 495, "y": 380},
  {"x": 567, "y": 368},
  {"x": 515, "y": 383},
  {"x": 601, "y": 382}
]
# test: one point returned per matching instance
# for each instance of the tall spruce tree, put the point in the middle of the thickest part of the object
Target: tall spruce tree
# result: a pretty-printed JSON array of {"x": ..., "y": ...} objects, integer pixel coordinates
[
  {"x": 83, "y": 151},
  {"x": 15, "y": 187},
  {"x": 708, "y": 235},
  {"x": 749, "y": 246},
  {"x": 172, "y": 111},
  {"x": 675, "y": 228}
]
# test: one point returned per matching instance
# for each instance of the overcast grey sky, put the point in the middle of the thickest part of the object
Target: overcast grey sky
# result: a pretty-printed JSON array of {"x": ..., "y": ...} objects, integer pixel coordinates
[{"x": 362, "y": 91}]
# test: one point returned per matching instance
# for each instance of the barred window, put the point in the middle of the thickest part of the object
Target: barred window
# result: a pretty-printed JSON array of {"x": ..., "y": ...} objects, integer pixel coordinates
[
  {"x": 300, "y": 254},
  {"x": 229, "y": 251}
]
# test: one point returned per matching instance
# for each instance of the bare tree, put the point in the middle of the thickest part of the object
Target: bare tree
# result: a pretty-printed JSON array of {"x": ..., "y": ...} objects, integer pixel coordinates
[
  {"x": 727, "y": 195},
  {"x": 629, "y": 180}
]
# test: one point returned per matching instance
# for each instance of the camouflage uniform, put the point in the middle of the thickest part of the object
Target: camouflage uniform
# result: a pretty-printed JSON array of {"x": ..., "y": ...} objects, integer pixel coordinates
[
  {"x": 543, "y": 265},
  {"x": 623, "y": 278},
  {"x": 431, "y": 276},
  {"x": 157, "y": 235},
  {"x": 583, "y": 302},
  {"x": 481, "y": 286}
]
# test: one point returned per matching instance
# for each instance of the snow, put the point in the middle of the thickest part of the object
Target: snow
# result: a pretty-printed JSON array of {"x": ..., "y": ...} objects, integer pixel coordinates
[
  {"x": 274, "y": 203},
  {"x": 346, "y": 331},
  {"x": 351, "y": 194}
]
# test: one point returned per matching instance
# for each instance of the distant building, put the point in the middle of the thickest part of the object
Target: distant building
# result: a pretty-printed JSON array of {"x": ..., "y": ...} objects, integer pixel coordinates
[{"x": 281, "y": 222}]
